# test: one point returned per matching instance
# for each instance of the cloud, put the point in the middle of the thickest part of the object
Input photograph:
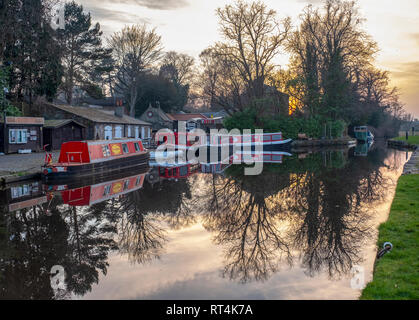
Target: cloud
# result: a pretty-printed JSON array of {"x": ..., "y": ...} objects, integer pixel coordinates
[
  {"x": 415, "y": 37},
  {"x": 157, "y": 4},
  {"x": 407, "y": 71},
  {"x": 109, "y": 15},
  {"x": 406, "y": 77}
]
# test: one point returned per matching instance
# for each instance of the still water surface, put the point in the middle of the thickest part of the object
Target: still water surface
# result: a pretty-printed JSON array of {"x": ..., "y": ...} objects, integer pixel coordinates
[{"x": 294, "y": 232}]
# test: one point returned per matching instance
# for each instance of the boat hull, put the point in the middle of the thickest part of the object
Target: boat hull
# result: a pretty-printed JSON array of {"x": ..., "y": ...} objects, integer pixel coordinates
[
  {"x": 215, "y": 154},
  {"x": 98, "y": 168}
]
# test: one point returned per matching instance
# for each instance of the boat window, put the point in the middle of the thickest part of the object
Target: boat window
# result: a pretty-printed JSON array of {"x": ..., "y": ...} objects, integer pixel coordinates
[
  {"x": 266, "y": 157},
  {"x": 267, "y": 138},
  {"x": 170, "y": 172},
  {"x": 137, "y": 147},
  {"x": 107, "y": 190},
  {"x": 247, "y": 138},
  {"x": 162, "y": 170},
  {"x": 126, "y": 184},
  {"x": 276, "y": 136},
  {"x": 183, "y": 171},
  {"x": 137, "y": 181},
  {"x": 106, "y": 151},
  {"x": 125, "y": 148}
]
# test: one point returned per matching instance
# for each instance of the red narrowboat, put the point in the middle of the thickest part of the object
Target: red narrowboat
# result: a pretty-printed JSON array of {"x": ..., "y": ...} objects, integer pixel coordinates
[
  {"x": 84, "y": 158},
  {"x": 89, "y": 195}
]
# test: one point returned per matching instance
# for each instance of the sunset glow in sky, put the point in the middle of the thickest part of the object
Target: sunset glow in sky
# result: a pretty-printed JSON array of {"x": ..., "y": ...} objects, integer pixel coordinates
[{"x": 190, "y": 26}]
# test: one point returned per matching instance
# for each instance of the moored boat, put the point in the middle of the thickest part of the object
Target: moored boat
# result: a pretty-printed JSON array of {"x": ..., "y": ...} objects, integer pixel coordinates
[
  {"x": 85, "y": 158},
  {"x": 363, "y": 134}
]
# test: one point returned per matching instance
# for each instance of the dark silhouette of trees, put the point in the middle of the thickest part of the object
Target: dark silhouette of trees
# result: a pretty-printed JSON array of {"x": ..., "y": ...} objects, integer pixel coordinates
[{"x": 82, "y": 51}]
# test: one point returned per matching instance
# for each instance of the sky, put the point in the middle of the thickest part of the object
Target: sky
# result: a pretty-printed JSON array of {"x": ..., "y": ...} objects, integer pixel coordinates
[{"x": 190, "y": 26}]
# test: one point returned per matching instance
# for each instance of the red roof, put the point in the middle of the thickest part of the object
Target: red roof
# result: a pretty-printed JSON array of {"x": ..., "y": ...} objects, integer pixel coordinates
[{"x": 186, "y": 116}]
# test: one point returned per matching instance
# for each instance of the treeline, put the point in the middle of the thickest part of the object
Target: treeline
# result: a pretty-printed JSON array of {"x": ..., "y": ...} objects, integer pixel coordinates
[
  {"x": 71, "y": 59},
  {"x": 331, "y": 74}
]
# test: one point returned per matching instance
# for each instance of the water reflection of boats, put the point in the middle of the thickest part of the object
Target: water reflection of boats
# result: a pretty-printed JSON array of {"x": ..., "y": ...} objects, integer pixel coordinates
[
  {"x": 361, "y": 149},
  {"x": 186, "y": 140},
  {"x": 85, "y": 193},
  {"x": 85, "y": 158}
]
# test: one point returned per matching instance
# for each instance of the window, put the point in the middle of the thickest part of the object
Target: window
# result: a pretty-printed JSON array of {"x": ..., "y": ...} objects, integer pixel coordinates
[
  {"x": 276, "y": 136},
  {"x": 107, "y": 190},
  {"x": 108, "y": 133},
  {"x": 20, "y": 191},
  {"x": 106, "y": 151},
  {"x": 183, "y": 171},
  {"x": 126, "y": 184},
  {"x": 137, "y": 147},
  {"x": 18, "y": 136},
  {"x": 125, "y": 148},
  {"x": 129, "y": 131},
  {"x": 118, "y": 132},
  {"x": 137, "y": 181}
]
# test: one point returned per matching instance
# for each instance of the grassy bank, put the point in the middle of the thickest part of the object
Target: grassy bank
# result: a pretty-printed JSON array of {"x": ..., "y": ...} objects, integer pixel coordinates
[
  {"x": 411, "y": 140},
  {"x": 396, "y": 275}
]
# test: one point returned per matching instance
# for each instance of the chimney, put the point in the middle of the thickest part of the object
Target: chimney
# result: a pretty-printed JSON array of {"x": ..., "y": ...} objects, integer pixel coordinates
[{"x": 119, "y": 112}]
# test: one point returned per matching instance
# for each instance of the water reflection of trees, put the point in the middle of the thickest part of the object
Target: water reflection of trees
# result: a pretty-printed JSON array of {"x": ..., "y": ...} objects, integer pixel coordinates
[
  {"x": 317, "y": 212},
  {"x": 32, "y": 242},
  {"x": 247, "y": 224},
  {"x": 313, "y": 206}
]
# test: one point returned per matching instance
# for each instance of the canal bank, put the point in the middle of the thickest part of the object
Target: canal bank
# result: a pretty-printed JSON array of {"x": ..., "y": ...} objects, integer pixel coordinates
[
  {"x": 19, "y": 167},
  {"x": 396, "y": 274}
]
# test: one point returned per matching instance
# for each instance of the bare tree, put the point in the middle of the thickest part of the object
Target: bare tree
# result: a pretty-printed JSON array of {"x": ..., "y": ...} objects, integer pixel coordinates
[
  {"x": 252, "y": 38},
  {"x": 182, "y": 65},
  {"x": 135, "y": 49}
]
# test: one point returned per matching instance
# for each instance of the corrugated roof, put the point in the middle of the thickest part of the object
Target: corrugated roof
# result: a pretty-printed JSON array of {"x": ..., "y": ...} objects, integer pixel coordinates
[
  {"x": 57, "y": 123},
  {"x": 101, "y": 116}
]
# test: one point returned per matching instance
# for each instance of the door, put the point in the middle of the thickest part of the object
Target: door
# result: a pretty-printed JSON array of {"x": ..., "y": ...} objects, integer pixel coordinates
[{"x": 108, "y": 133}]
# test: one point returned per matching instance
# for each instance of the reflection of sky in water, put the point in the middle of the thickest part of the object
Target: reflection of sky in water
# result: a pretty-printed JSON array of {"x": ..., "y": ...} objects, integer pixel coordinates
[
  {"x": 190, "y": 269},
  {"x": 281, "y": 235},
  {"x": 191, "y": 264}
]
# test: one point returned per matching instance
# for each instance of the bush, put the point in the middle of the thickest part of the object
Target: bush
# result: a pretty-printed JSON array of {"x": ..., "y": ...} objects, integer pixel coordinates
[{"x": 289, "y": 126}]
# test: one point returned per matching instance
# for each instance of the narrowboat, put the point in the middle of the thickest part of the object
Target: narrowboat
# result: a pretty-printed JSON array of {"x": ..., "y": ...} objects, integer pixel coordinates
[
  {"x": 85, "y": 158},
  {"x": 186, "y": 140},
  {"x": 214, "y": 148},
  {"x": 99, "y": 192},
  {"x": 363, "y": 134}
]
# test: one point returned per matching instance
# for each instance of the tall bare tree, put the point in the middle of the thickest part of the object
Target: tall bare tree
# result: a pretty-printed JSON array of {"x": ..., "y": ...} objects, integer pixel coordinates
[
  {"x": 181, "y": 65},
  {"x": 135, "y": 49},
  {"x": 252, "y": 37}
]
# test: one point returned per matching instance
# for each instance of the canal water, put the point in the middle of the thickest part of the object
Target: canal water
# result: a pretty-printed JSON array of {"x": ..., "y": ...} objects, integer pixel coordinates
[{"x": 305, "y": 228}]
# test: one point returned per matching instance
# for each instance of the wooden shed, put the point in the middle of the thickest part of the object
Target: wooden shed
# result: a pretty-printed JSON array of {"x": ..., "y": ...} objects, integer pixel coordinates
[
  {"x": 21, "y": 134},
  {"x": 62, "y": 130}
]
